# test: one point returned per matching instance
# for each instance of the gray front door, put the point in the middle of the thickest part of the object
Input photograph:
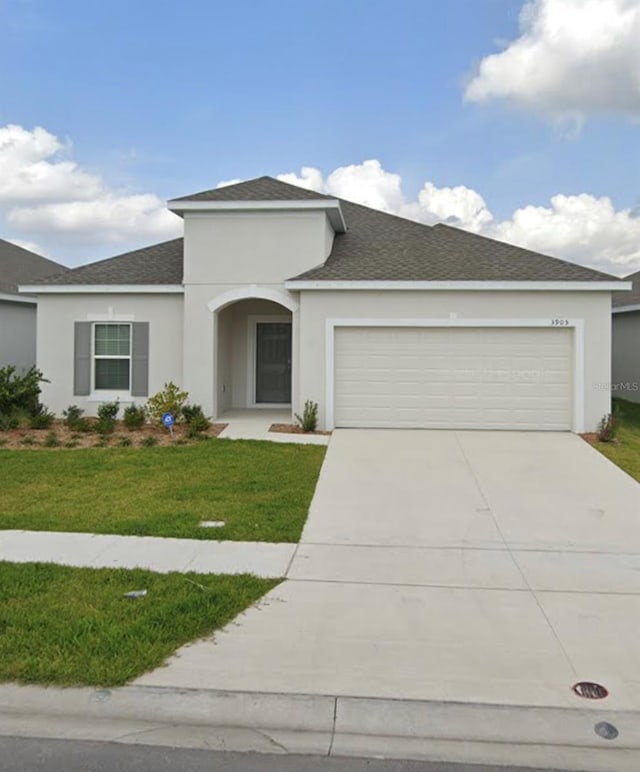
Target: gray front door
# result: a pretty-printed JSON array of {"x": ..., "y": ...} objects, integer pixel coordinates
[{"x": 273, "y": 362}]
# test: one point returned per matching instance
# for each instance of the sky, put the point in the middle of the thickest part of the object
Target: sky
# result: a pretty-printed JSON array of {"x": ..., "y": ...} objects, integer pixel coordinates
[{"x": 516, "y": 120}]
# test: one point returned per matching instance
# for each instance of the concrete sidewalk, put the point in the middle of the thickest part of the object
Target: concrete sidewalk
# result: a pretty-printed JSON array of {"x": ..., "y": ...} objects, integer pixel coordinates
[{"x": 86, "y": 550}]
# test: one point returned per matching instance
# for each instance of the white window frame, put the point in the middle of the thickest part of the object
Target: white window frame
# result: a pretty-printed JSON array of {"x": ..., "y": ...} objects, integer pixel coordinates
[
  {"x": 110, "y": 395},
  {"x": 252, "y": 329}
]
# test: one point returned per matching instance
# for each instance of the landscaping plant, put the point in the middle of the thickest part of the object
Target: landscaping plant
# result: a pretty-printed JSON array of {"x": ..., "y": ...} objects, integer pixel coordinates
[
  {"x": 19, "y": 393},
  {"x": 309, "y": 419},
  {"x": 134, "y": 417},
  {"x": 609, "y": 425},
  {"x": 195, "y": 420},
  {"x": 42, "y": 418},
  {"x": 75, "y": 420},
  {"x": 51, "y": 440},
  {"x": 107, "y": 413},
  {"x": 170, "y": 400}
]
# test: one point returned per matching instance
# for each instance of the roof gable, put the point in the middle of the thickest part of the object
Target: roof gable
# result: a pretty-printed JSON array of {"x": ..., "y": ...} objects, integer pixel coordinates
[{"x": 259, "y": 189}]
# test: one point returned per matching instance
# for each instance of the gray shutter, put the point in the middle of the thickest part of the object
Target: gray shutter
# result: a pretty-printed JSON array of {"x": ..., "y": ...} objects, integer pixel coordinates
[
  {"x": 140, "y": 359},
  {"x": 81, "y": 358}
]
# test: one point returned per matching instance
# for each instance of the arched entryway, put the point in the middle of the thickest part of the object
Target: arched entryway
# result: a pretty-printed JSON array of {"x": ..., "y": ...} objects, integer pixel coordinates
[{"x": 254, "y": 337}]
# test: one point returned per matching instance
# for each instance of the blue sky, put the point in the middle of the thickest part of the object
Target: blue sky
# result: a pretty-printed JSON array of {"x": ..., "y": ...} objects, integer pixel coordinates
[{"x": 158, "y": 99}]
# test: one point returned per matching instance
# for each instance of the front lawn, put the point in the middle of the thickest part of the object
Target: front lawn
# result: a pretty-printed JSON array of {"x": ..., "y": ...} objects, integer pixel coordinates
[
  {"x": 74, "y": 626},
  {"x": 261, "y": 490},
  {"x": 625, "y": 452}
]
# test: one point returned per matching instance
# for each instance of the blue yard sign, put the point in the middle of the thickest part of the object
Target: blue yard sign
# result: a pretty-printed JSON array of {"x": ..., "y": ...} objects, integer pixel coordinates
[{"x": 168, "y": 420}]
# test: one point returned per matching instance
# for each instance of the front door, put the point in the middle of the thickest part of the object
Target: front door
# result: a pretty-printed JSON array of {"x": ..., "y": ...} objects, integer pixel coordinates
[{"x": 273, "y": 362}]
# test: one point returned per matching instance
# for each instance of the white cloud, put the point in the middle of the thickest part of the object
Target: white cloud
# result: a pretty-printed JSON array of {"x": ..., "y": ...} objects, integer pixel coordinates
[
  {"x": 74, "y": 215},
  {"x": 31, "y": 169},
  {"x": 580, "y": 228},
  {"x": 108, "y": 218},
  {"x": 44, "y": 192},
  {"x": 573, "y": 58}
]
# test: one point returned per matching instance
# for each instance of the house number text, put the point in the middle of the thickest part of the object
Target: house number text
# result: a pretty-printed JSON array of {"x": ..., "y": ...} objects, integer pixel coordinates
[{"x": 559, "y": 322}]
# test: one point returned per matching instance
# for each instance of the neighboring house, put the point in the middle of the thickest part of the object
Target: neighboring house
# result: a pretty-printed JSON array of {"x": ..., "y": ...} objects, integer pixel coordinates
[
  {"x": 18, "y": 312},
  {"x": 626, "y": 342},
  {"x": 278, "y": 294}
]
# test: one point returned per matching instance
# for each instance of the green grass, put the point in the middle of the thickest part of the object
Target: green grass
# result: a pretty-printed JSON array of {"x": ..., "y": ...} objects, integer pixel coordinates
[
  {"x": 73, "y": 626},
  {"x": 626, "y": 451},
  {"x": 262, "y": 490}
]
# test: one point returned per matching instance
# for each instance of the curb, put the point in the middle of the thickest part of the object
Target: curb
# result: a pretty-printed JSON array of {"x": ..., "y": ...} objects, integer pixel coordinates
[{"x": 360, "y": 726}]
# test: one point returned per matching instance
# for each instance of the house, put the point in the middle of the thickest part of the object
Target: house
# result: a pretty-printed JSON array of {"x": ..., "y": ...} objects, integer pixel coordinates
[
  {"x": 277, "y": 295},
  {"x": 18, "y": 312},
  {"x": 626, "y": 341}
]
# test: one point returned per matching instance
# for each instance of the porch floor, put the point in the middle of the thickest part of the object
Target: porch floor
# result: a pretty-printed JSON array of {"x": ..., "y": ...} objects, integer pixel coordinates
[{"x": 254, "y": 423}]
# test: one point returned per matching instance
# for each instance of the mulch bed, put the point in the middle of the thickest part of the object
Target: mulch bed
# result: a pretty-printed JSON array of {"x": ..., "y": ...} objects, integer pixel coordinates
[
  {"x": 291, "y": 429},
  {"x": 34, "y": 439},
  {"x": 592, "y": 439}
]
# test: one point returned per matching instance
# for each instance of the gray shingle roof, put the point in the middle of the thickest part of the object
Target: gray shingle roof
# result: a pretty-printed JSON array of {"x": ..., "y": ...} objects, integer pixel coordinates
[
  {"x": 376, "y": 247},
  {"x": 260, "y": 189},
  {"x": 157, "y": 264},
  {"x": 383, "y": 247},
  {"x": 628, "y": 298},
  {"x": 20, "y": 266}
]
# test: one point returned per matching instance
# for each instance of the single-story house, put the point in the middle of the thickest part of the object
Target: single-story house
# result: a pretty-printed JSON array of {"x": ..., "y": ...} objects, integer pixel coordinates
[
  {"x": 277, "y": 295},
  {"x": 18, "y": 312},
  {"x": 626, "y": 341}
]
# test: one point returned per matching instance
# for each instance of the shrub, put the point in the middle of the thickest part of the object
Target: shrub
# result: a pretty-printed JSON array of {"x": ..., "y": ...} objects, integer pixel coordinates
[
  {"x": 609, "y": 425},
  {"x": 195, "y": 419},
  {"x": 19, "y": 393},
  {"x": 169, "y": 400},
  {"x": 74, "y": 419},
  {"x": 71, "y": 444},
  {"x": 8, "y": 422},
  {"x": 107, "y": 413},
  {"x": 51, "y": 440},
  {"x": 28, "y": 439},
  {"x": 42, "y": 419},
  {"x": 149, "y": 442},
  {"x": 134, "y": 417},
  {"x": 124, "y": 442},
  {"x": 309, "y": 419}
]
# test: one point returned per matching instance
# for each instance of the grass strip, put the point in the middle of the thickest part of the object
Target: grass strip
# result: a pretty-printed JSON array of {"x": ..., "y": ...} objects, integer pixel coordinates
[
  {"x": 74, "y": 626},
  {"x": 625, "y": 452}
]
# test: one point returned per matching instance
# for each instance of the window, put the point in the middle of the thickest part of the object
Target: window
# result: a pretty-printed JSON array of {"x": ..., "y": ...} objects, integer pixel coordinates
[{"x": 112, "y": 357}]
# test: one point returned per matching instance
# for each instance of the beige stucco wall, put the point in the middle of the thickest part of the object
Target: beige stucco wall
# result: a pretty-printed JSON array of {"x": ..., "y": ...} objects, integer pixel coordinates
[
  {"x": 240, "y": 252},
  {"x": 626, "y": 356},
  {"x": 56, "y": 316},
  {"x": 17, "y": 334},
  {"x": 592, "y": 307},
  {"x": 253, "y": 248}
]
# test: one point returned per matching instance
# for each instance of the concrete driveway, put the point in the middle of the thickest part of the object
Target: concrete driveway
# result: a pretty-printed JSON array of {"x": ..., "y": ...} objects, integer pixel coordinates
[{"x": 482, "y": 567}]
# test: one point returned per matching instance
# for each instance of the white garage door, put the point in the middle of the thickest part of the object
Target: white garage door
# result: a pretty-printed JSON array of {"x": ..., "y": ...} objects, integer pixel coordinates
[{"x": 453, "y": 378}]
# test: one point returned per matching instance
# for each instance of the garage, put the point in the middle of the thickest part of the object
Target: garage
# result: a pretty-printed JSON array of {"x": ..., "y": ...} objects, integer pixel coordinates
[{"x": 509, "y": 378}]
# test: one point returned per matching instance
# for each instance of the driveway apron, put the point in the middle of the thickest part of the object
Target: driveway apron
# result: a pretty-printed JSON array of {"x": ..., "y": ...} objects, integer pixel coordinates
[{"x": 492, "y": 567}]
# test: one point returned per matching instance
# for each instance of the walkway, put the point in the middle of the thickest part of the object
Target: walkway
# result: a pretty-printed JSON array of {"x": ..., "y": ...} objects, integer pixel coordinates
[
  {"x": 154, "y": 553},
  {"x": 253, "y": 424}
]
